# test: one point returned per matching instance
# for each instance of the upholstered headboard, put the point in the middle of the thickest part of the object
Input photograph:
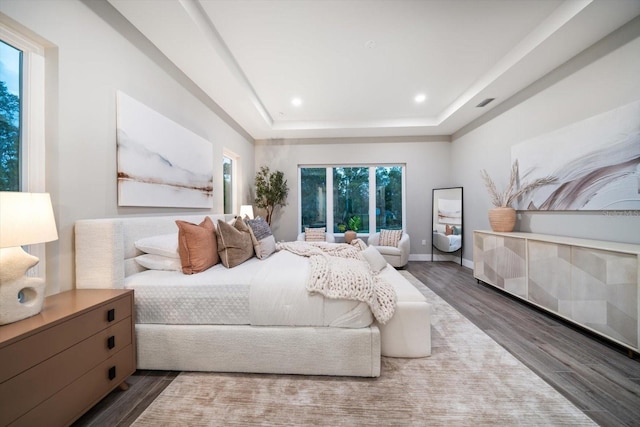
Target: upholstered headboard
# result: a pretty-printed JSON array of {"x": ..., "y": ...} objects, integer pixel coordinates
[{"x": 105, "y": 248}]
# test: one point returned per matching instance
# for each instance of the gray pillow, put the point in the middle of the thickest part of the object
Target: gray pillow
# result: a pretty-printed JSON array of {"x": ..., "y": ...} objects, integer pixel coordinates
[{"x": 263, "y": 241}]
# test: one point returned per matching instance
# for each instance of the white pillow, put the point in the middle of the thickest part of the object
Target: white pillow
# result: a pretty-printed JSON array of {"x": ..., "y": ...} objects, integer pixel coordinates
[
  {"x": 159, "y": 262},
  {"x": 375, "y": 259},
  {"x": 164, "y": 245}
]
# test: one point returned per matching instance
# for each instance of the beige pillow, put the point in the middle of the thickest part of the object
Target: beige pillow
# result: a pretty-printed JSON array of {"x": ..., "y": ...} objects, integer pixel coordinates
[
  {"x": 374, "y": 258},
  {"x": 234, "y": 243},
  {"x": 390, "y": 238},
  {"x": 197, "y": 246},
  {"x": 314, "y": 234}
]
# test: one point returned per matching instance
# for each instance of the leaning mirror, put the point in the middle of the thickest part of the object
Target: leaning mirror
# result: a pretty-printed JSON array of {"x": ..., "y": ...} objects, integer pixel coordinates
[{"x": 447, "y": 221}]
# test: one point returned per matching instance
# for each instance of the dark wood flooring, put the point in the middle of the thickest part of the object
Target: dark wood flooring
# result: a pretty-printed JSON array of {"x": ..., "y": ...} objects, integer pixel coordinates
[{"x": 596, "y": 375}]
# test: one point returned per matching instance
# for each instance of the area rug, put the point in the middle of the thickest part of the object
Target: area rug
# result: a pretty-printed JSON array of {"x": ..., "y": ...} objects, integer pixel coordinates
[{"x": 468, "y": 380}]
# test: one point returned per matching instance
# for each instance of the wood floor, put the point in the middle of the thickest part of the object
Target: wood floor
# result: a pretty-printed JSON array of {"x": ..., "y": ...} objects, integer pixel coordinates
[{"x": 596, "y": 375}]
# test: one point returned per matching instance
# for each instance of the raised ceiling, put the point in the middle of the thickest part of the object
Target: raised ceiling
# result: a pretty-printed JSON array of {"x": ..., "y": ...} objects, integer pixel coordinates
[{"x": 357, "y": 65}]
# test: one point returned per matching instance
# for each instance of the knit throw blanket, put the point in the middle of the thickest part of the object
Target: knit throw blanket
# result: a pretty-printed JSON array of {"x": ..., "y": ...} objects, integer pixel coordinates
[{"x": 341, "y": 272}]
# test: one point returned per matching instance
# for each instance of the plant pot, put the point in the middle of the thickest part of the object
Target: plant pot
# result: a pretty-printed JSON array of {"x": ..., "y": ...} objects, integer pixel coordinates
[
  {"x": 349, "y": 236},
  {"x": 502, "y": 219}
]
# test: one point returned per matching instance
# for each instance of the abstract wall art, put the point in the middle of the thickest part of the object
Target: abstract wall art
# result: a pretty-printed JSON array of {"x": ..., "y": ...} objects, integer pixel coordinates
[
  {"x": 160, "y": 163},
  {"x": 596, "y": 162}
]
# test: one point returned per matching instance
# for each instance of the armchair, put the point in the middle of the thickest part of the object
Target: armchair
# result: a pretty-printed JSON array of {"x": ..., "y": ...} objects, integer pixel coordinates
[{"x": 397, "y": 257}]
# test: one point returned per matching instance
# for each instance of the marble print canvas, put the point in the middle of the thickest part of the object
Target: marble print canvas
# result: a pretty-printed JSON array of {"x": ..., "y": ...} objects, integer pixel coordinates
[
  {"x": 449, "y": 211},
  {"x": 596, "y": 163},
  {"x": 160, "y": 163}
]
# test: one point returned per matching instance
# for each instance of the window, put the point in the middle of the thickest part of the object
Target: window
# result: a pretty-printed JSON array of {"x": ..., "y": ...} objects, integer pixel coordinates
[
  {"x": 227, "y": 182},
  {"x": 350, "y": 198},
  {"x": 389, "y": 198},
  {"x": 30, "y": 91},
  {"x": 24, "y": 169},
  {"x": 10, "y": 96},
  {"x": 313, "y": 197},
  {"x": 374, "y": 195}
]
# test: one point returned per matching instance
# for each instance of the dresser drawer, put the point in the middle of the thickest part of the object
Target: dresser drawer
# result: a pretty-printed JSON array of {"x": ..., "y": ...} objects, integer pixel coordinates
[
  {"x": 83, "y": 393},
  {"x": 39, "y": 347},
  {"x": 31, "y": 387}
]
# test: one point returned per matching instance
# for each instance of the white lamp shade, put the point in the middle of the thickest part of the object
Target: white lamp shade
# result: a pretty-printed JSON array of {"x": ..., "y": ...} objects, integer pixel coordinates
[
  {"x": 25, "y": 219},
  {"x": 246, "y": 210}
]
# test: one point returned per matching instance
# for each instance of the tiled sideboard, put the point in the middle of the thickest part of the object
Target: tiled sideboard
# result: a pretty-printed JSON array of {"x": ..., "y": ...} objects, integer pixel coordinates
[{"x": 592, "y": 283}]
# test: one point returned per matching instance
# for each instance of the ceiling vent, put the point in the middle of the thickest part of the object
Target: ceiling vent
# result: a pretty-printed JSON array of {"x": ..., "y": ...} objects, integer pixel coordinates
[{"x": 485, "y": 102}]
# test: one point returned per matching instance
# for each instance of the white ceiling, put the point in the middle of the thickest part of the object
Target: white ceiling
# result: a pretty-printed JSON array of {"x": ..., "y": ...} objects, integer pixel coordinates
[{"x": 358, "y": 64}]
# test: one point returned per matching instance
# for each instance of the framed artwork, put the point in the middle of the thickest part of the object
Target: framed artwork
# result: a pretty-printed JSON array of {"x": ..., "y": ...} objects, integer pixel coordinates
[
  {"x": 596, "y": 163},
  {"x": 160, "y": 163}
]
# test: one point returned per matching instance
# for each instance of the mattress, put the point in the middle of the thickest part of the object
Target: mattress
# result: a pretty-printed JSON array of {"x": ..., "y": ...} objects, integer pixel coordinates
[{"x": 242, "y": 296}]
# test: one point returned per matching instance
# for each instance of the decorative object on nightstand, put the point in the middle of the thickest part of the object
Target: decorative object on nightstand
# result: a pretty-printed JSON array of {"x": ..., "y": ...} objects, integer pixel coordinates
[
  {"x": 25, "y": 219},
  {"x": 503, "y": 216}
]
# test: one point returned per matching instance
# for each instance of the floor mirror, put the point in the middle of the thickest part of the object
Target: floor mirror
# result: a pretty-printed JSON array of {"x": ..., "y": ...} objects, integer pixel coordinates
[{"x": 447, "y": 220}]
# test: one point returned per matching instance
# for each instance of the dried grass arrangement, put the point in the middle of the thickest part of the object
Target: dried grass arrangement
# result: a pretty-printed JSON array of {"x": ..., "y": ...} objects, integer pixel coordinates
[{"x": 515, "y": 189}]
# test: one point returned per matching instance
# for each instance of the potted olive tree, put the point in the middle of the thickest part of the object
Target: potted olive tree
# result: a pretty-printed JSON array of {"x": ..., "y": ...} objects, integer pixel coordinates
[{"x": 271, "y": 191}]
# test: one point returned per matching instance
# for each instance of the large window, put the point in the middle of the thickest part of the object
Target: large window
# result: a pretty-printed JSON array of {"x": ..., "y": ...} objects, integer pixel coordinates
[
  {"x": 371, "y": 196},
  {"x": 10, "y": 82}
]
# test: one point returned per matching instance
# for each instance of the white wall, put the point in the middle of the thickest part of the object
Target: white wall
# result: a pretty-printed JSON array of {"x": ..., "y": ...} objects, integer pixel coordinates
[
  {"x": 427, "y": 166},
  {"x": 95, "y": 52},
  {"x": 602, "y": 78},
  {"x": 87, "y": 61}
]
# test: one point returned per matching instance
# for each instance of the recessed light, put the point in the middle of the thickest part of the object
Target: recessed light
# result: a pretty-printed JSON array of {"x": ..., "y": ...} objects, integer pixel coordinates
[
  {"x": 421, "y": 97},
  {"x": 296, "y": 102}
]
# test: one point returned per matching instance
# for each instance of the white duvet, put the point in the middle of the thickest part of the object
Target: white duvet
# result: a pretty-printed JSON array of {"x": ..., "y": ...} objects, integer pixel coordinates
[{"x": 258, "y": 292}]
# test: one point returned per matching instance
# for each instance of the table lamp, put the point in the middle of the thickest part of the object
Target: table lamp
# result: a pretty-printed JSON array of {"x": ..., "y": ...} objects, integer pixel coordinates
[
  {"x": 25, "y": 219},
  {"x": 246, "y": 211}
]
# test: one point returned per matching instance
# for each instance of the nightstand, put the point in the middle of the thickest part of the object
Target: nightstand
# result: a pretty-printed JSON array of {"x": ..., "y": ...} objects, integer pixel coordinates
[{"x": 56, "y": 365}]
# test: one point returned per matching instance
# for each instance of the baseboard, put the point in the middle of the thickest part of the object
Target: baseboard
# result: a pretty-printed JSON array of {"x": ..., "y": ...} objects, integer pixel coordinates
[{"x": 440, "y": 257}]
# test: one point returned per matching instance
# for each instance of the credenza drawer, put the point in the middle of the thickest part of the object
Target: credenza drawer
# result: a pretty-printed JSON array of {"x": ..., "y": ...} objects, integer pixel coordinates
[
  {"x": 28, "y": 389},
  {"x": 83, "y": 393},
  {"x": 37, "y": 348}
]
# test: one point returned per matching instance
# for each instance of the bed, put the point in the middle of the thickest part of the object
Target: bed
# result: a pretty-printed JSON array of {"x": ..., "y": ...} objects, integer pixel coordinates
[
  {"x": 447, "y": 243},
  {"x": 244, "y": 321}
]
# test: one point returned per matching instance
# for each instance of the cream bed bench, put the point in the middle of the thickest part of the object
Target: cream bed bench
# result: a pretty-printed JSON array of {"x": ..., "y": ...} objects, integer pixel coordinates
[{"x": 105, "y": 255}]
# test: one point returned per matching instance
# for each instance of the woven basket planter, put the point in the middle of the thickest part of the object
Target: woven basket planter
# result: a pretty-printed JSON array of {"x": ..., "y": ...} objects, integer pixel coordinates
[{"x": 502, "y": 219}]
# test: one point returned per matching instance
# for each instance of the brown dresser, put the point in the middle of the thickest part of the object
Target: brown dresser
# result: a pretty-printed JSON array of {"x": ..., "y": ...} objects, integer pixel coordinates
[{"x": 56, "y": 365}]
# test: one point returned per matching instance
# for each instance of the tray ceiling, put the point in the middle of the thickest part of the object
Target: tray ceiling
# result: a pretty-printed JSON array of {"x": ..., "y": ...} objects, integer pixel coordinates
[{"x": 357, "y": 66}]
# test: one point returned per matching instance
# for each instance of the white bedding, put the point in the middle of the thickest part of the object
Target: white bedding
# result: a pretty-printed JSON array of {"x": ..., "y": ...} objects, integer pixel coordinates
[{"x": 258, "y": 292}]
